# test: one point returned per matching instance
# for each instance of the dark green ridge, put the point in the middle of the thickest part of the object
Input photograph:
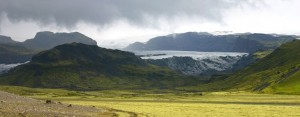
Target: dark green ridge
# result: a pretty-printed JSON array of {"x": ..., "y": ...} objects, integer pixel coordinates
[{"x": 78, "y": 66}]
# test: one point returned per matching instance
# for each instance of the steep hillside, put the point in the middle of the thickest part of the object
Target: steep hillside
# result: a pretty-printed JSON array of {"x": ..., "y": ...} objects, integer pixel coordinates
[
  {"x": 279, "y": 72},
  {"x": 205, "y": 42},
  {"x": 89, "y": 67},
  {"x": 14, "y": 53},
  {"x": 47, "y": 40}
]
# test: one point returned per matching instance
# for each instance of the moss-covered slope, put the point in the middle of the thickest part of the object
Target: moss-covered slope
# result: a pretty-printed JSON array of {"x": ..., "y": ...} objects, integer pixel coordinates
[{"x": 279, "y": 72}]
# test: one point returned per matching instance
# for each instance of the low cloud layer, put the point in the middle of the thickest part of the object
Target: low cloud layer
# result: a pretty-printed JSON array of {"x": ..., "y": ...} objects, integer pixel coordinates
[{"x": 68, "y": 13}]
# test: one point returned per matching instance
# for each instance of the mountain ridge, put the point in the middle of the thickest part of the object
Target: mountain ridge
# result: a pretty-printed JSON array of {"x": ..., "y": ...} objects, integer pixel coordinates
[
  {"x": 206, "y": 42},
  {"x": 17, "y": 52},
  {"x": 78, "y": 66},
  {"x": 46, "y": 40}
]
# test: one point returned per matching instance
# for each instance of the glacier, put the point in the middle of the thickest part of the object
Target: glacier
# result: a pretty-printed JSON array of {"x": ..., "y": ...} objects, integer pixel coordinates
[
  {"x": 6, "y": 67},
  {"x": 195, "y": 63}
]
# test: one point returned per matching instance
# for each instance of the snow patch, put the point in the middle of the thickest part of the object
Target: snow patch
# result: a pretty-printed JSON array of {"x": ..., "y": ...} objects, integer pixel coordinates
[{"x": 4, "y": 68}]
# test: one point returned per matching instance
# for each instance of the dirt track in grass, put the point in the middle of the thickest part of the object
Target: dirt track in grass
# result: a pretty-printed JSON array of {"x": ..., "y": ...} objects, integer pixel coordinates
[{"x": 14, "y": 105}]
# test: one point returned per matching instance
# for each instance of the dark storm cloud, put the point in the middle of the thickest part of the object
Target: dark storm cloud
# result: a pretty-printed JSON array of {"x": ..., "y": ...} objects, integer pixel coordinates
[{"x": 68, "y": 12}]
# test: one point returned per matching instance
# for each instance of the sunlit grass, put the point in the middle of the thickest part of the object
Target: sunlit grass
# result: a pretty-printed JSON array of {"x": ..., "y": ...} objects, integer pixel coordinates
[
  {"x": 178, "y": 109},
  {"x": 168, "y": 103},
  {"x": 262, "y": 54}
]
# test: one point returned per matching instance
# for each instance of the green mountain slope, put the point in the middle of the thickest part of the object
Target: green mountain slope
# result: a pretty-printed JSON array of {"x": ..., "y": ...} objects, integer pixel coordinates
[
  {"x": 14, "y": 53},
  {"x": 89, "y": 67},
  {"x": 279, "y": 72}
]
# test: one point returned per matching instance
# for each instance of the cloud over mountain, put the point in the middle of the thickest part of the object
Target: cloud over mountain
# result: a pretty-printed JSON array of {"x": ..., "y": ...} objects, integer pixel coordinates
[{"x": 69, "y": 12}]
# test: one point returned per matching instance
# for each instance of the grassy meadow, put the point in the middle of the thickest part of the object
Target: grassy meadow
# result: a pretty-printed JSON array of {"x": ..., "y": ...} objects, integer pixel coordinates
[{"x": 168, "y": 103}]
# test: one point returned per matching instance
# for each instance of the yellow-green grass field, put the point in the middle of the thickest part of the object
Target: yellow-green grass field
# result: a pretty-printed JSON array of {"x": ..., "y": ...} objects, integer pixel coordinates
[{"x": 167, "y": 103}]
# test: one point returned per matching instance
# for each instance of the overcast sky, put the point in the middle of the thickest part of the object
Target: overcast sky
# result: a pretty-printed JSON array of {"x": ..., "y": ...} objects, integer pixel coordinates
[{"x": 116, "y": 23}]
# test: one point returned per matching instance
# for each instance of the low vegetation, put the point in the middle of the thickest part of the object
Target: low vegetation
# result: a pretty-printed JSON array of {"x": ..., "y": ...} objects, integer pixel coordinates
[
  {"x": 278, "y": 72},
  {"x": 170, "y": 103},
  {"x": 262, "y": 54}
]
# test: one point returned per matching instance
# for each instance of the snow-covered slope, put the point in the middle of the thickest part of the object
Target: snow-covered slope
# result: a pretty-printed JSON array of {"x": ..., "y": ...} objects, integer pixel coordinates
[
  {"x": 161, "y": 54},
  {"x": 5, "y": 67}
]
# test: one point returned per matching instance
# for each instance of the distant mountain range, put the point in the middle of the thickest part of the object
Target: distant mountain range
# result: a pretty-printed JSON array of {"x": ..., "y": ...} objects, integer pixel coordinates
[
  {"x": 206, "y": 42},
  {"x": 88, "y": 67},
  {"x": 78, "y": 66},
  {"x": 14, "y": 53},
  {"x": 47, "y": 40},
  {"x": 6, "y": 40},
  {"x": 17, "y": 52}
]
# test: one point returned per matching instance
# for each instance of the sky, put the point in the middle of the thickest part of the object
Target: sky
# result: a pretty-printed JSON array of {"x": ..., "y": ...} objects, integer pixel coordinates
[{"x": 117, "y": 23}]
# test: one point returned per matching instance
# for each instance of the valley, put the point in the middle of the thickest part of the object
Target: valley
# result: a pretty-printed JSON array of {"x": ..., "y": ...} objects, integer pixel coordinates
[{"x": 169, "y": 103}]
